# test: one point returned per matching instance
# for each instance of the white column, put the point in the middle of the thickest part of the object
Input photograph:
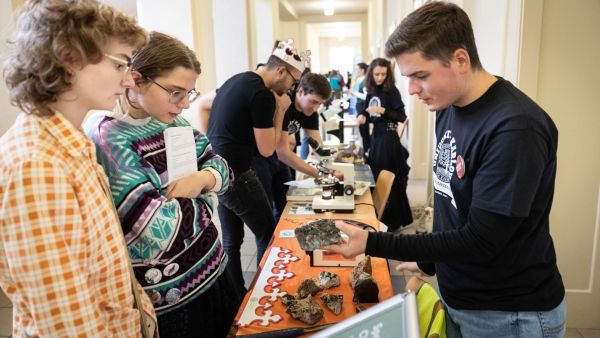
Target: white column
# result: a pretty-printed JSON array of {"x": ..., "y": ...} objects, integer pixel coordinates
[{"x": 231, "y": 38}]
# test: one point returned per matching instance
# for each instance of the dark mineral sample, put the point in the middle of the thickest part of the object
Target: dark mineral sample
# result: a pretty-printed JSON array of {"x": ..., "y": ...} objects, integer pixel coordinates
[
  {"x": 288, "y": 300},
  {"x": 306, "y": 310},
  {"x": 317, "y": 234},
  {"x": 308, "y": 287},
  {"x": 361, "y": 280},
  {"x": 328, "y": 279},
  {"x": 333, "y": 302}
]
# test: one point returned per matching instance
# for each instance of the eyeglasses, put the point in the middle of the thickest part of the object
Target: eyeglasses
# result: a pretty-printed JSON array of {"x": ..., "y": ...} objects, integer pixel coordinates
[
  {"x": 176, "y": 96},
  {"x": 120, "y": 62},
  {"x": 296, "y": 81}
]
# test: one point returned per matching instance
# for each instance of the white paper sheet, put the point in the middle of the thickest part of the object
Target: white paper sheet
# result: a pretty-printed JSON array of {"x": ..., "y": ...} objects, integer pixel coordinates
[{"x": 181, "y": 152}]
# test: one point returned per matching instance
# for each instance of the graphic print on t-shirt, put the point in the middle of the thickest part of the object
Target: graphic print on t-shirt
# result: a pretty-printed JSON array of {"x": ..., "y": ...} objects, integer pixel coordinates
[
  {"x": 375, "y": 102},
  {"x": 444, "y": 164},
  {"x": 293, "y": 127}
]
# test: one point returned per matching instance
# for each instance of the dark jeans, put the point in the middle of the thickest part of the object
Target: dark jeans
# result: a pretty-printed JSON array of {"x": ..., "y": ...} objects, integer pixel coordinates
[
  {"x": 190, "y": 320},
  {"x": 273, "y": 173},
  {"x": 246, "y": 203}
]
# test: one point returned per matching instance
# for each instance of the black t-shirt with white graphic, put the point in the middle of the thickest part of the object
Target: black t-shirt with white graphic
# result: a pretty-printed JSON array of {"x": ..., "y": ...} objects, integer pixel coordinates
[
  {"x": 295, "y": 119},
  {"x": 242, "y": 103},
  {"x": 494, "y": 168}
]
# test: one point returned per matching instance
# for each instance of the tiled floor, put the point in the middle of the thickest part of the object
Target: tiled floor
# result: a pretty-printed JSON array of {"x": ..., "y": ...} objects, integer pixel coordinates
[{"x": 416, "y": 193}]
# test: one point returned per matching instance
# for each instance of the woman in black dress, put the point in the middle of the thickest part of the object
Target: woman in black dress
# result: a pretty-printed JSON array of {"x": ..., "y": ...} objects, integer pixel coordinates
[{"x": 384, "y": 108}]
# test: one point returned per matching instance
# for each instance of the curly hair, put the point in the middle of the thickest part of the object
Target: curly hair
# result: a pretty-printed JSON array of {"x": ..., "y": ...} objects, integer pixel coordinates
[
  {"x": 34, "y": 72},
  {"x": 389, "y": 80}
]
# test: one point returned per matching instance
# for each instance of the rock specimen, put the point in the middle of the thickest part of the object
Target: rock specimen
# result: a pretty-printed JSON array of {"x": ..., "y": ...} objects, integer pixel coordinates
[
  {"x": 361, "y": 280},
  {"x": 314, "y": 235},
  {"x": 328, "y": 279},
  {"x": 333, "y": 302},
  {"x": 306, "y": 310},
  {"x": 288, "y": 300},
  {"x": 308, "y": 287}
]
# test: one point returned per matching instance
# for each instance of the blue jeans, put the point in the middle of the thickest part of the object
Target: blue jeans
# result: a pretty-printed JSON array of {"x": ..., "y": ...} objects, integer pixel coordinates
[
  {"x": 498, "y": 324},
  {"x": 304, "y": 146},
  {"x": 246, "y": 203}
]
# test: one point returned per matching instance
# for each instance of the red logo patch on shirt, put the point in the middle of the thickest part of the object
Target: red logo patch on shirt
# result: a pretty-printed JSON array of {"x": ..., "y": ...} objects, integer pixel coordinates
[{"x": 460, "y": 167}]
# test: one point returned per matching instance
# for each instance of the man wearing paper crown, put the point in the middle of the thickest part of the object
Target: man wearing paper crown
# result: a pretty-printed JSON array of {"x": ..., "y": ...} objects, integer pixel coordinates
[
  {"x": 274, "y": 171},
  {"x": 245, "y": 120}
]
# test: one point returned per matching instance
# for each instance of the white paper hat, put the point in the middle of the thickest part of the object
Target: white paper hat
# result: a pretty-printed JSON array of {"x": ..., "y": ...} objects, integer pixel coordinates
[{"x": 285, "y": 51}]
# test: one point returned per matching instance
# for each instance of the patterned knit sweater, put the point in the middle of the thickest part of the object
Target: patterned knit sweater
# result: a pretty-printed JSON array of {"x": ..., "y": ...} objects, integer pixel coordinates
[{"x": 173, "y": 244}]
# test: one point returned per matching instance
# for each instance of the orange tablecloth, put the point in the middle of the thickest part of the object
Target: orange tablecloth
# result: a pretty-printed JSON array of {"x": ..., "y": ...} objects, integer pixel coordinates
[{"x": 302, "y": 270}]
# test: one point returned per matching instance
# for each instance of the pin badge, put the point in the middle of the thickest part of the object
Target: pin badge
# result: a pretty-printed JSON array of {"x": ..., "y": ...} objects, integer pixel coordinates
[
  {"x": 153, "y": 276},
  {"x": 173, "y": 296},
  {"x": 460, "y": 167},
  {"x": 171, "y": 269}
]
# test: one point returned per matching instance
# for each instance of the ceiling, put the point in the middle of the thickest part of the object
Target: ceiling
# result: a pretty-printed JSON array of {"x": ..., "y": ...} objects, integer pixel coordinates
[{"x": 293, "y": 9}]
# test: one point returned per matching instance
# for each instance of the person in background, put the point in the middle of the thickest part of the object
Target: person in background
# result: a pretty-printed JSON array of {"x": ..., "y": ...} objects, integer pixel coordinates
[
  {"x": 273, "y": 171},
  {"x": 335, "y": 82},
  {"x": 63, "y": 261},
  {"x": 174, "y": 245},
  {"x": 495, "y": 169},
  {"x": 245, "y": 119},
  {"x": 358, "y": 94},
  {"x": 384, "y": 108}
]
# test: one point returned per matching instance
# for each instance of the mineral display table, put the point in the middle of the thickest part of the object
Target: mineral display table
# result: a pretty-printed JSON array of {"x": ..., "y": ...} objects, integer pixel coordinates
[{"x": 283, "y": 268}]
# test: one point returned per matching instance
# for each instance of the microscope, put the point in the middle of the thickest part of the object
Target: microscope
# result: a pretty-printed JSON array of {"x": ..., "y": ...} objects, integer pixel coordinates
[{"x": 336, "y": 195}]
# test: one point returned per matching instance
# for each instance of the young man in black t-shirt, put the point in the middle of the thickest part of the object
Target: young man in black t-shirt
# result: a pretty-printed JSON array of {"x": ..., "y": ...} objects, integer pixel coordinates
[
  {"x": 245, "y": 119},
  {"x": 494, "y": 170},
  {"x": 274, "y": 171}
]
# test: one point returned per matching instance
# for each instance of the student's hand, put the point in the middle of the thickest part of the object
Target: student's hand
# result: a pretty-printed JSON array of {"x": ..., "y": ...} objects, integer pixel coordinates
[
  {"x": 192, "y": 185},
  {"x": 292, "y": 143},
  {"x": 362, "y": 119},
  {"x": 338, "y": 174},
  {"x": 375, "y": 110},
  {"x": 282, "y": 101},
  {"x": 410, "y": 267},
  {"x": 354, "y": 245}
]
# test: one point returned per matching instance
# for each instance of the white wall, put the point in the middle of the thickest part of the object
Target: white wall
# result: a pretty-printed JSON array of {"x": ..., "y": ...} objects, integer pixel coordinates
[
  {"x": 231, "y": 38},
  {"x": 8, "y": 112},
  {"x": 127, "y": 6},
  {"x": 567, "y": 85},
  {"x": 325, "y": 43},
  {"x": 264, "y": 30},
  {"x": 173, "y": 17}
]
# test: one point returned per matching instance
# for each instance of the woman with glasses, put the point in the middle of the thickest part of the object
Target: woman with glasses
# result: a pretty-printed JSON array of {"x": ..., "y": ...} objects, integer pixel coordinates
[
  {"x": 174, "y": 245},
  {"x": 63, "y": 260}
]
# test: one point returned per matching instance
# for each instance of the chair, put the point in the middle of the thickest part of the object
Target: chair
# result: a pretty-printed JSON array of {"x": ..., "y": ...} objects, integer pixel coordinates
[{"x": 382, "y": 190}]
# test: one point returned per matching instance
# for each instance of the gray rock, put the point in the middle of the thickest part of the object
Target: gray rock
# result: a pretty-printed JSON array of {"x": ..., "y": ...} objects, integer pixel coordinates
[
  {"x": 361, "y": 280},
  {"x": 315, "y": 235},
  {"x": 333, "y": 302},
  {"x": 308, "y": 287},
  {"x": 328, "y": 279},
  {"x": 288, "y": 300},
  {"x": 306, "y": 310}
]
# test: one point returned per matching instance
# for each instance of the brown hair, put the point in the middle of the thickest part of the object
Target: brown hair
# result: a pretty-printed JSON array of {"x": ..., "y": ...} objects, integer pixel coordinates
[
  {"x": 318, "y": 84},
  {"x": 436, "y": 29},
  {"x": 161, "y": 55},
  {"x": 33, "y": 71},
  {"x": 274, "y": 62},
  {"x": 389, "y": 79}
]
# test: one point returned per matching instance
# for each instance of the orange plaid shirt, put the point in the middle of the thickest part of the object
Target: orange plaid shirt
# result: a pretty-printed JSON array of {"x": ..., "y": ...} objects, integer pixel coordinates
[{"x": 63, "y": 259}]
